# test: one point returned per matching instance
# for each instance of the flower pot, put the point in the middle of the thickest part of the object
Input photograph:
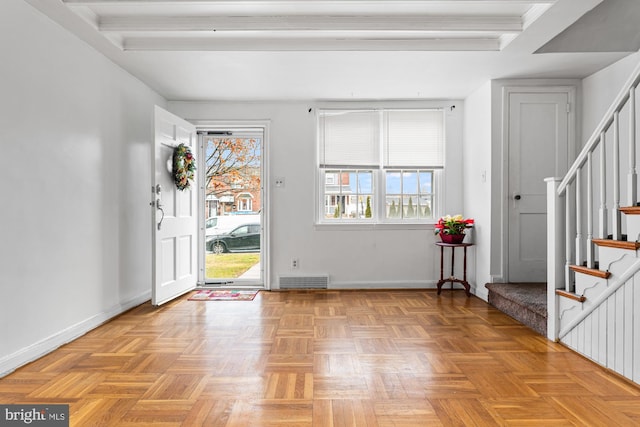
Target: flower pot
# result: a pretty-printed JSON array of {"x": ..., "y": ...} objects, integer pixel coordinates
[{"x": 451, "y": 238}]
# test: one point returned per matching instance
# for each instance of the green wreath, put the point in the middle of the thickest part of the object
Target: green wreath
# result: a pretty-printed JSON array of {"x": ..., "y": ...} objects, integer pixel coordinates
[{"x": 184, "y": 166}]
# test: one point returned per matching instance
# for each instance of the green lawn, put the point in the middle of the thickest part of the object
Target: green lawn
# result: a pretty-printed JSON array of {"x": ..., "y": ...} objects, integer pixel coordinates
[{"x": 224, "y": 266}]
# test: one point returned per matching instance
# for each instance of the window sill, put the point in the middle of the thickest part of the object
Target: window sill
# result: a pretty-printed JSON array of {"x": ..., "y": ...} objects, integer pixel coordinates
[{"x": 359, "y": 226}]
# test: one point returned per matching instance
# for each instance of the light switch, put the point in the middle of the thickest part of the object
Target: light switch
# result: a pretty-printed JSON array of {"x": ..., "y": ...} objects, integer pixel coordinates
[{"x": 279, "y": 181}]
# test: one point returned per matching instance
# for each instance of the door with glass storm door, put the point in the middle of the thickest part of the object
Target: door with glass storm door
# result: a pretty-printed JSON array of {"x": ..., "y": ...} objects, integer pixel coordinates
[{"x": 233, "y": 208}]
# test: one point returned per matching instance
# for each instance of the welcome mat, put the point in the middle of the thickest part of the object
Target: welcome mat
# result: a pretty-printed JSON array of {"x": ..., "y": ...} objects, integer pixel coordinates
[{"x": 223, "y": 295}]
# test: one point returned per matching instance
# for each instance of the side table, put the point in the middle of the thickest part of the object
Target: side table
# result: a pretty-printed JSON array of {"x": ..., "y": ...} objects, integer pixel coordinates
[{"x": 452, "y": 278}]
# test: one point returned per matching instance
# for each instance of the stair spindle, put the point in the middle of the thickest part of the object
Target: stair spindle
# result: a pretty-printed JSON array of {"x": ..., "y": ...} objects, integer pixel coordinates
[
  {"x": 632, "y": 183},
  {"x": 616, "y": 214},
  {"x": 567, "y": 214},
  {"x": 578, "y": 253},
  {"x": 602, "y": 226},
  {"x": 590, "y": 245}
]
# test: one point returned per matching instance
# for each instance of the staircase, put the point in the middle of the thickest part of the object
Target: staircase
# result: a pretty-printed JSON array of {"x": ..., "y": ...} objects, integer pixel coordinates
[{"x": 593, "y": 233}]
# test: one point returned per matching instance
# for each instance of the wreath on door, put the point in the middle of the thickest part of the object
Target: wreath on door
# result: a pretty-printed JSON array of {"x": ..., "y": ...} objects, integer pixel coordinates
[{"x": 184, "y": 166}]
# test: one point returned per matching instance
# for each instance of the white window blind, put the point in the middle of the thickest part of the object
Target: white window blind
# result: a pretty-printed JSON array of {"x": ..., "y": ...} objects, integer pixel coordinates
[
  {"x": 349, "y": 138},
  {"x": 414, "y": 138}
]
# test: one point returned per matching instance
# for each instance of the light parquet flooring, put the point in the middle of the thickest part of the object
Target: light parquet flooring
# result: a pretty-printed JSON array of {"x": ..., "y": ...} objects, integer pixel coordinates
[{"x": 324, "y": 358}]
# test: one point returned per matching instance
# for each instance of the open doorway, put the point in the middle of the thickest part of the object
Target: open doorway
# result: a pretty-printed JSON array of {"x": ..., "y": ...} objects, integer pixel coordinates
[{"x": 232, "y": 207}]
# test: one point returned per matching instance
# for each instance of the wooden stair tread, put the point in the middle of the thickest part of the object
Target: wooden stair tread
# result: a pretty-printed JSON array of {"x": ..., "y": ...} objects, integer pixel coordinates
[
  {"x": 617, "y": 244},
  {"x": 631, "y": 210},
  {"x": 590, "y": 271},
  {"x": 571, "y": 295}
]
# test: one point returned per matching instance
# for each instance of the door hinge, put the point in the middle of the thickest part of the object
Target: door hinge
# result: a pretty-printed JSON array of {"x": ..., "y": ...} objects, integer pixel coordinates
[{"x": 568, "y": 107}]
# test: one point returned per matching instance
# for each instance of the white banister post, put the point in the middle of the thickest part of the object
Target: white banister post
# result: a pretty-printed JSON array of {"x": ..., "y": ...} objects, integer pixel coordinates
[
  {"x": 579, "y": 256},
  {"x": 616, "y": 227},
  {"x": 568, "y": 197},
  {"x": 602, "y": 220},
  {"x": 632, "y": 183},
  {"x": 555, "y": 255},
  {"x": 590, "y": 248}
]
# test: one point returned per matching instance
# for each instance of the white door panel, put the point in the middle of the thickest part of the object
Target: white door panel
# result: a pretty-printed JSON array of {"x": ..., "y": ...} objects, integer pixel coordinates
[
  {"x": 174, "y": 242},
  {"x": 538, "y": 148}
]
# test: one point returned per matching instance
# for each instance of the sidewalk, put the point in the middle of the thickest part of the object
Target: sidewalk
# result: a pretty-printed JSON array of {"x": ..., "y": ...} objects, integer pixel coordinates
[{"x": 252, "y": 273}]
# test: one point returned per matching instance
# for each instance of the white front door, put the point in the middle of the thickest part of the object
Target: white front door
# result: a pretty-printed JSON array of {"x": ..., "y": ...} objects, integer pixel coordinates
[
  {"x": 538, "y": 132},
  {"x": 174, "y": 234}
]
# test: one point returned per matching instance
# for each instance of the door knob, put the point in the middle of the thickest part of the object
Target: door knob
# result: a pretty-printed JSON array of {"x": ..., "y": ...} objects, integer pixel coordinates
[{"x": 517, "y": 197}]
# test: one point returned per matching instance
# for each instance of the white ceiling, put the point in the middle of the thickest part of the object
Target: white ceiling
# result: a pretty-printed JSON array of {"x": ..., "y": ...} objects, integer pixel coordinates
[{"x": 331, "y": 49}]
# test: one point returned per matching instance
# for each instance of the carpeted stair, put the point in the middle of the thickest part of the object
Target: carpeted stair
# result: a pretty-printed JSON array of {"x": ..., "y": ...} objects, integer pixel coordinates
[{"x": 525, "y": 302}]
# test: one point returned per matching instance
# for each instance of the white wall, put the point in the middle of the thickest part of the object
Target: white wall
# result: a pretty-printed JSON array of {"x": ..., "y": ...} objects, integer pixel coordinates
[
  {"x": 352, "y": 256},
  {"x": 600, "y": 90},
  {"x": 477, "y": 180},
  {"x": 75, "y": 176}
]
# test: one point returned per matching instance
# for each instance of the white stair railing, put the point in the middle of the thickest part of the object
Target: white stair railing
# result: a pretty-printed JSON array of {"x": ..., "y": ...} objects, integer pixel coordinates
[{"x": 570, "y": 222}]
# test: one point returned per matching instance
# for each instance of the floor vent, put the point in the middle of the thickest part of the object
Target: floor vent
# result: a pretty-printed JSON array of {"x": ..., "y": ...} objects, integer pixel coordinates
[{"x": 304, "y": 282}]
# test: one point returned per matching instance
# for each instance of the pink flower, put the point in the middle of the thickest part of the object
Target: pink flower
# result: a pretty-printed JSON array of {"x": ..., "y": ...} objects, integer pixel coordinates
[{"x": 453, "y": 224}]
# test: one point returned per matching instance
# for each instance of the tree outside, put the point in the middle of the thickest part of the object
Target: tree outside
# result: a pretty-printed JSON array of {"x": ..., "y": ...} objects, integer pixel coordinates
[{"x": 232, "y": 175}]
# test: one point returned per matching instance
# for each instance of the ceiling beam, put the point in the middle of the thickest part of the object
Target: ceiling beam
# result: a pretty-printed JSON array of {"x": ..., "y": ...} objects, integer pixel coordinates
[
  {"x": 312, "y": 23},
  {"x": 297, "y": 2},
  {"x": 307, "y": 44}
]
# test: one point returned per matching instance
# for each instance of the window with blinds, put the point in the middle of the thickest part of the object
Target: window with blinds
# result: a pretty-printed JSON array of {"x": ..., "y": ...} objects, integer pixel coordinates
[
  {"x": 414, "y": 138},
  {"x": 379, "y": 165}
]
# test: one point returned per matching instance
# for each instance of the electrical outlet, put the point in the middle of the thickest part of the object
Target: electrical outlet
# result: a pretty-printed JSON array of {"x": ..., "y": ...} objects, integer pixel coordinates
[{"x": 295, "y": 263}]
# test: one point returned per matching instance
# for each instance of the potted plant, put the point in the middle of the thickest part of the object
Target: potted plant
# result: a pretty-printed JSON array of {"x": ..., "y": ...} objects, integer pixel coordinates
[{"x": 452, "y": 228}]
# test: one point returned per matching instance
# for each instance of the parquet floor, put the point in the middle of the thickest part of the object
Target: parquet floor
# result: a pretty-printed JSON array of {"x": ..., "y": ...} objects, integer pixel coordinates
[{"x": 324, "y": 358}]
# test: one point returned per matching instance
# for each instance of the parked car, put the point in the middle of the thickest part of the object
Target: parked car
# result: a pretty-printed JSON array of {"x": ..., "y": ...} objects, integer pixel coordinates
[
  {"x": 211, "y": 223},
  {"x": 244, "y": 238},
  {"x": 224, "y": 223}
]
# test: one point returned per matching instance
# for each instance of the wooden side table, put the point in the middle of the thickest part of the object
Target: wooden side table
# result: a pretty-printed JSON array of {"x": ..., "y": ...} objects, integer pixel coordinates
[{"x": 452, "y": 278}]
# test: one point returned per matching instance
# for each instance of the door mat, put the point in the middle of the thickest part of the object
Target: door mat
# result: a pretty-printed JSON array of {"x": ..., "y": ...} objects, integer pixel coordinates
[{"x": 223, "y": 295}]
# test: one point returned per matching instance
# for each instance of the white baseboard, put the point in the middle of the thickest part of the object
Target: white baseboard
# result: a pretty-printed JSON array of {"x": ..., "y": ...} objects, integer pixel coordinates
[
  {"x": 28, "y": 354},
  {"x": 422, "y": 284},
  {"x": 481, "y": 292},
  {"x": 418, "y": 284}
]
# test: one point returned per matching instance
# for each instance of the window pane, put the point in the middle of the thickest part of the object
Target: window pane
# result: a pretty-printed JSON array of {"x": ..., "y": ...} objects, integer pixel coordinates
[
  {"x": 365, "y": 182},
  {"x": 409, "y": 194},
  {"x": 332, "y": 182},
  {"x": 409, "y": 207},
  {"x": 368, "y": 205},
  {"x": 393, "y": 182},
  {"x": 410, "y": 182},
  {"x": 348, "y": 194},
  {"x": 425, "y": 210},
  {"x": 426, "y": 182},
  {"x": 345, "y": 182},
  {"x": 393, "y": 206}
]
